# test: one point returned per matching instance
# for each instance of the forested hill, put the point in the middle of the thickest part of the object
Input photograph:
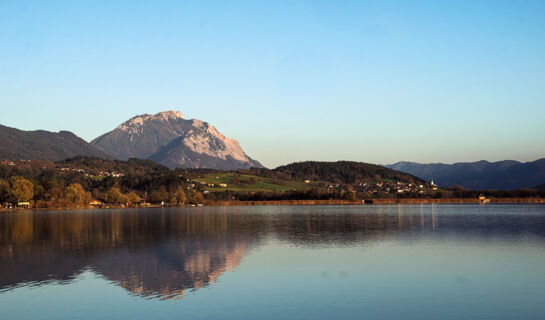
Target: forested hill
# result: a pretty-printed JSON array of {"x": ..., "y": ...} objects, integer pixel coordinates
[
  {"x": 44, "y": 145},
  {"x": 341, "y": 172},
  {"x": 95, "y": 165}
]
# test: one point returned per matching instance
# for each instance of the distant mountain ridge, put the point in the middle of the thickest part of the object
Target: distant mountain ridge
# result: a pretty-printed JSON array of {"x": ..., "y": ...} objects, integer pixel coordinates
[
  {"x": 479, "y": 175},
  {"x": 44, "y": 145},
  {"x": 173, "y": 141}
]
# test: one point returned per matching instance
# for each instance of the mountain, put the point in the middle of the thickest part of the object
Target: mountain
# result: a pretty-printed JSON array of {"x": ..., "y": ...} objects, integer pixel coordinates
[
  {"x": 341, "y": 172},
  {"x": 480, "y": 175},
  {"x": 171, "y": 140},
  {"x": 44, "y": 145}
]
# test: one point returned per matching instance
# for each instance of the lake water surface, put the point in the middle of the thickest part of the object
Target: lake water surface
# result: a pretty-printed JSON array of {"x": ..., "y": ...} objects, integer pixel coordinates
[{"x": 275, "y": 262}]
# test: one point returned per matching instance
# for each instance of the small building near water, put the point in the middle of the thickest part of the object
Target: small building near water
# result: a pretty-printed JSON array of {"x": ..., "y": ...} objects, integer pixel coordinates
[
  {"x": 23, "y": 204},
  {"x": 96, "y": 204}
]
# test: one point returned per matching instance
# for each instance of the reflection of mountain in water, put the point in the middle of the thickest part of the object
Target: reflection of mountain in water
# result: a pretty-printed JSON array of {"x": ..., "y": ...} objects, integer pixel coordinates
[
  {"x": 150, "y": 253},
  {"x": 171, "y": 267},
  {"x": 161, "y": 253}
]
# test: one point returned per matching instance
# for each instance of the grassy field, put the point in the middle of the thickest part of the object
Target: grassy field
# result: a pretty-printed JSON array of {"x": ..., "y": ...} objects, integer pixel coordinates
[{"x": 250, "y": 183}]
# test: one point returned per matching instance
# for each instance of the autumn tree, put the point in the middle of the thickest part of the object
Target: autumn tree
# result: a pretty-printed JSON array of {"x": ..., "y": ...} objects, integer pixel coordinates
[
  {"x": 20, "y": 189},
  {"x": 133, "y": 197},
  {"x": 115, "y": 196},
  {"x": 197, "y": 198},
  {"x": 177, "y": 196},
  {"x": 160, "y": 195},
  {"x": 75, "y": 193}
]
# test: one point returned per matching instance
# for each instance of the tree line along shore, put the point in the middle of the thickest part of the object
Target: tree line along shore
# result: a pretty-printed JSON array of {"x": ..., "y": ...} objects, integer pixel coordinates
[{"x": 84, "y": 182}]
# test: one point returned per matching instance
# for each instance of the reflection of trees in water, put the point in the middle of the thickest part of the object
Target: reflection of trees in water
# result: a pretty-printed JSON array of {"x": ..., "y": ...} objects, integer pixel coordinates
[
  {"x": 162, "y": 253},
  {"x": 338, "y": 228}
]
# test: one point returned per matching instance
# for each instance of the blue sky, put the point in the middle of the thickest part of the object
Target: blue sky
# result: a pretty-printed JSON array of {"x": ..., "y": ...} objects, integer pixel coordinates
[{"x": 373, "y": 81}]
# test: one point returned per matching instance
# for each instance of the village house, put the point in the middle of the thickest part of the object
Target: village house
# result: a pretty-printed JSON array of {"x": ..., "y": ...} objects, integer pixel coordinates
[
  {"x": 23, "y": 204},
  {"x": 96, "y": 203}
]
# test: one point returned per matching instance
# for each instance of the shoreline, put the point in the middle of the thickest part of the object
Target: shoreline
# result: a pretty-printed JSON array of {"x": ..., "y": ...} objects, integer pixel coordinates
[
  {"x": 312, "y": 202},
  {"x": 380, "y": 202}
]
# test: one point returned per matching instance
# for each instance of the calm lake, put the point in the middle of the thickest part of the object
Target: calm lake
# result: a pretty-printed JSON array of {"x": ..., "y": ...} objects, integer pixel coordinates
[{"x": 275, "y": 262}]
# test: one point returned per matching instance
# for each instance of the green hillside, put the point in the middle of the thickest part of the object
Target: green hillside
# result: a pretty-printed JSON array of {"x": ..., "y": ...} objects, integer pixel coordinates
[{"x": 237, "y": 182}]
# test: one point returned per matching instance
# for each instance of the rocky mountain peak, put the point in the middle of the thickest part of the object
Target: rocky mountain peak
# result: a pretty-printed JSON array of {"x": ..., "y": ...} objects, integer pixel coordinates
[
  {"x": 134, "y": 123},
  {"x": 170, "y": 115},
  {"x": 169, "y": 139}
]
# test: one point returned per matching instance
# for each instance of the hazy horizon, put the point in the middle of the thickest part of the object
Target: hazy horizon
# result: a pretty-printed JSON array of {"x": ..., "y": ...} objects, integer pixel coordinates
[{"x": 291, "y": 81}]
